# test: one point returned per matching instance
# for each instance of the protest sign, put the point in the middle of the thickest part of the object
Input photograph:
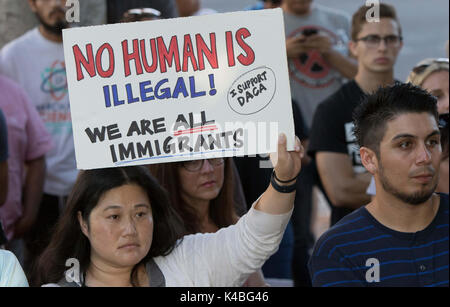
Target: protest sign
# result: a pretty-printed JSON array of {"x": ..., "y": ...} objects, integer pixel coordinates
[{"x": 178, "y": 89}]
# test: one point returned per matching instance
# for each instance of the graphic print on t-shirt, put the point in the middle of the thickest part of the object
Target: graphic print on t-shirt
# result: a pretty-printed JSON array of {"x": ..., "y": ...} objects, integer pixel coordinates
[
  {"x": 353, "y": 148},
  {"x": 54, "y": 80},
  {"x": 310, "y": 69},
  {"x": 56, "y": 112}
]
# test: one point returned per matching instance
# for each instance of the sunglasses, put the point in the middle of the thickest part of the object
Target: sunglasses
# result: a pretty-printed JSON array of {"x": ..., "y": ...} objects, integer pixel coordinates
[
  {"x": 421, "y": 67},
  {"x": 144, "y": 11},
  {"x": 443, "y": 121}
]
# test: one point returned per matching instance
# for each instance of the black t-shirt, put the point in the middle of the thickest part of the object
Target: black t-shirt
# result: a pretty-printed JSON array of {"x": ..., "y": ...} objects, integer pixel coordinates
[{"x": 333, "y": 131}]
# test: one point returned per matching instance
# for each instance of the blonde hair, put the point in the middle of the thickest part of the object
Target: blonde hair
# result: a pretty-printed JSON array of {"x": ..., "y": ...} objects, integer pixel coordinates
[{"x": 425, "y": 68}]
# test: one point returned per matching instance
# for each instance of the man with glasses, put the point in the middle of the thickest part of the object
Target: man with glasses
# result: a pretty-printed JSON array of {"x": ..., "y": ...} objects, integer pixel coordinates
[
  {"x": 332, "y": 142},
  {"x": 36, "y": 61}
]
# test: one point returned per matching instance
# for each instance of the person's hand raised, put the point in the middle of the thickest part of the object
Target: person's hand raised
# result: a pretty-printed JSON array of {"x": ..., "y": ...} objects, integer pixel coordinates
[{"x": 287, "y": 164}]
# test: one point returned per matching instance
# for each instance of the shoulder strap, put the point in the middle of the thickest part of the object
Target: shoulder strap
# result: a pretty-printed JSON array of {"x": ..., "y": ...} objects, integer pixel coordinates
[{"x": 155, "y": 275}]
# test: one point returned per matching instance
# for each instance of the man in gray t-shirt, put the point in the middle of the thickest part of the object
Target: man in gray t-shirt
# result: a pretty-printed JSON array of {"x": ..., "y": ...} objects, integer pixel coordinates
[{"x": 316, "y": 43}]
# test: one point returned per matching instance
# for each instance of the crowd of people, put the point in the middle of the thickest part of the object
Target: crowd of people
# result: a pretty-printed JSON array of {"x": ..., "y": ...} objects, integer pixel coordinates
[{"x": 375, "y": 146}]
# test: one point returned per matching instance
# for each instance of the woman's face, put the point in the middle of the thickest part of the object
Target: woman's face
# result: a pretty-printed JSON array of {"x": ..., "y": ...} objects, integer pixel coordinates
[
  {"x": 202, "y": 185},
  {"x": 437, "y": 85},
  {"x": 120, "y": 227}
]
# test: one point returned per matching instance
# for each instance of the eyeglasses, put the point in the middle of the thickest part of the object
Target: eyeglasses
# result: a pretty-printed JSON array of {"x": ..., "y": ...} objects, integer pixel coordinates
[
  {"x": 196, "y": 165},
  {"x": 422, "y": 66},
  {"x": 443, "y": 121},
  {"x": 373, "y": 41}
]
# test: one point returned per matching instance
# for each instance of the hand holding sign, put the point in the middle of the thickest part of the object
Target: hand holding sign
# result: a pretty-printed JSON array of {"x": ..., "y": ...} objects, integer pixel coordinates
[{"x": 287, "y": 164}]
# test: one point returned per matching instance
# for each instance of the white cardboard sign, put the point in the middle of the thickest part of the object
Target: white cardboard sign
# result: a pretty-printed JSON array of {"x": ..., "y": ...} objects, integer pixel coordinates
[{"x": 178, "y": 89}]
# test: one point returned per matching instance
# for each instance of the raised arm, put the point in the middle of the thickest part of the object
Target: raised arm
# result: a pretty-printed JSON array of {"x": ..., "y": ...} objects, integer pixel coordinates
[
  {"x": 229, "y": 256},
  {"x": 287, "y": 167}
]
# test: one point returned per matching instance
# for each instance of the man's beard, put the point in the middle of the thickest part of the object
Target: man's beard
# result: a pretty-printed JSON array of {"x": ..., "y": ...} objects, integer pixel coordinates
[
  {"x": 54, "y": 29},
  {"x": 416, "y": 198}
]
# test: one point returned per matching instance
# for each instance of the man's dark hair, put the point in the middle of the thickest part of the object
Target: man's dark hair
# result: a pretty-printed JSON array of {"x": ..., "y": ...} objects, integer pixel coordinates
[
  {"x": 371, "y": 116},
  {"x": 360, "y": 18}
]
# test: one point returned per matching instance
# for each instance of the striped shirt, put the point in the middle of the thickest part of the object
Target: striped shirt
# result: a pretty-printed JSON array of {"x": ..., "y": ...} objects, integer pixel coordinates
[{"x": 360, "y": 251}]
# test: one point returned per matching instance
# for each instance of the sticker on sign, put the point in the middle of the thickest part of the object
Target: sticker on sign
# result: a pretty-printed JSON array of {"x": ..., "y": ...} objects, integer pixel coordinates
[{"x": 253, "y": 91}]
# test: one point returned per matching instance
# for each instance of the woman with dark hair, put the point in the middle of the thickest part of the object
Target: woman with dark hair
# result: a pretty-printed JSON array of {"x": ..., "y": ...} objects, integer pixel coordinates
[
  {"x": 203, "y": 193},
  {"x": 72, "y": 239},
  {"x": 120, "y": 229}
]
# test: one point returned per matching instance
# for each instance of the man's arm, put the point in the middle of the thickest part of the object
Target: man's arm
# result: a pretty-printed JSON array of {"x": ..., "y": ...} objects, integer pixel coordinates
[
  {"x": 3, "y": 182},
  {"x": 32, "y": 195},
  {"x": 342, "y": 185}
]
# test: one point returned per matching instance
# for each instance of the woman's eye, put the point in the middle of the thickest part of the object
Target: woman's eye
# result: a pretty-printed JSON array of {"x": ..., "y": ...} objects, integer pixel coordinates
[
  {"x": 113, "y": 217},
  {"x": 141, "y": 214}
]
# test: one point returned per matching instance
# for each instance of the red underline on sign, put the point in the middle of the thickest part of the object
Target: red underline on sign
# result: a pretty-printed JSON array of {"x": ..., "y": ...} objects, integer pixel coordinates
[{"x": 195, "y": 130}]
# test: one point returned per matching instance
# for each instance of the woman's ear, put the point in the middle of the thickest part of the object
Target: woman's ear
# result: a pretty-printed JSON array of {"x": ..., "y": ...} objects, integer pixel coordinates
[
  {"x": 369, "y": 159},
  {"x": 84, "y": 227}
]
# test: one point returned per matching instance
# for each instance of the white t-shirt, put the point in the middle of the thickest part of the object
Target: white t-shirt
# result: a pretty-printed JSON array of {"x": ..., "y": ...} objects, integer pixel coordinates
[
  {"x": 312, "y": 78},
  {"x": 11, "y": 273},
  {"x": 37, "y": 64}
]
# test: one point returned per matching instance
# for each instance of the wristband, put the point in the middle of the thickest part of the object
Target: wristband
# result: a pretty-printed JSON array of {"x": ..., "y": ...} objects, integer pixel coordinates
[
  {"x": 282, "y": 189},
  {"x": 282, "y": 181}
]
